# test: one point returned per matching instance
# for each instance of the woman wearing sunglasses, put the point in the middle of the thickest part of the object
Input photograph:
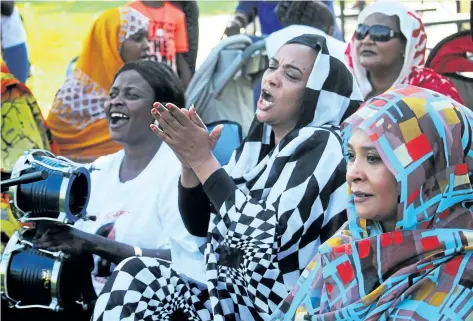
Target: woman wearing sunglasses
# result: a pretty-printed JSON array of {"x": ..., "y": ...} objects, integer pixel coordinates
[{"x": 388, "y": 48}]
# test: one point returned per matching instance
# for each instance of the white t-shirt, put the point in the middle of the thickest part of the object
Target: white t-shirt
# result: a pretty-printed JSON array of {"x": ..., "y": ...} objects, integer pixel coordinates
[
  {"x": 278, "y": 38},
  {"x": 13, "y": 31},
  {"x": 144, "y": 210}
]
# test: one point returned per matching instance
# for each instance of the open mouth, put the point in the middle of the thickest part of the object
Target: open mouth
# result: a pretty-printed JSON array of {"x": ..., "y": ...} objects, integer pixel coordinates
[
  {"x": 118, "y": 119},
  {"x": 266, "y": 100}
]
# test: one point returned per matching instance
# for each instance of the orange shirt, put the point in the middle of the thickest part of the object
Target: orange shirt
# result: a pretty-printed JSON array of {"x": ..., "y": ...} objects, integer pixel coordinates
[{"x": 167, "y": 31}]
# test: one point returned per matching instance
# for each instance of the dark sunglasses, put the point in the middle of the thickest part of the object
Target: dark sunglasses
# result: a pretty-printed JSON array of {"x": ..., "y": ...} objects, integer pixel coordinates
[{"x": 377, "y": 33}]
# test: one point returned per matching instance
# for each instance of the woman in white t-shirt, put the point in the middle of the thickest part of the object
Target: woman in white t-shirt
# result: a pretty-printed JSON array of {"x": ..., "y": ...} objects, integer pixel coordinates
[{"x": 134, "y": 191}]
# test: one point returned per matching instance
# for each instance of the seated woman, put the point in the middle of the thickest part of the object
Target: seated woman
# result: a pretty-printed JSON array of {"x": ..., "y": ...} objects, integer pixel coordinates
[
  {"x": 407, "y": 249},
  {"x": 265, "y": 214},
  {"x": 135, "y": 189},
  {"x": 388, "y": 49},
  {"x": 77, "y": 117}
]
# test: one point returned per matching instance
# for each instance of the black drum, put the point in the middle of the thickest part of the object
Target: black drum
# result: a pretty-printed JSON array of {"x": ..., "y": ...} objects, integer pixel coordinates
[
  {"x": 62, "y": 197},
  {"x": 32, "y": 278}
]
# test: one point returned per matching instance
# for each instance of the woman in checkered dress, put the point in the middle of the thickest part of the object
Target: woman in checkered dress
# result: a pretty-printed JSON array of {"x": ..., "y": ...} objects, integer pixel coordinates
[{"x": 260, "y": 219}]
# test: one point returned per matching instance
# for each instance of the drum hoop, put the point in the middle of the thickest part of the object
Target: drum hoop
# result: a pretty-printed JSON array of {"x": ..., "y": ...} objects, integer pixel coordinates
[
  {"x": 62, "y": 198},
  {"x": 56, "y": 271},
  {"x": 20, "y": 165},
  {"x": 14, "y": 246}
]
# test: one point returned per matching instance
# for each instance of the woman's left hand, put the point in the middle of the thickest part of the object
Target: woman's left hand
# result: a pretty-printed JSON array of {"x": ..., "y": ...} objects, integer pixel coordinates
[
  {"x": 64, "y": 238},
  {"x": 192, "y": 142}
]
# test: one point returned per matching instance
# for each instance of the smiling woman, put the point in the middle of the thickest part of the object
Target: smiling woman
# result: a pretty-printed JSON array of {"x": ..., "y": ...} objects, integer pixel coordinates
[
  {"x": 77, "y": 118},
  {"x": 127, "y": 116},
  {"x": 134, "y": 191}
]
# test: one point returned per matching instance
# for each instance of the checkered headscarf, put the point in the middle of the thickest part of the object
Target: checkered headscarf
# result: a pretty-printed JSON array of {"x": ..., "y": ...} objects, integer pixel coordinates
[{"x": 291, "y": 197}]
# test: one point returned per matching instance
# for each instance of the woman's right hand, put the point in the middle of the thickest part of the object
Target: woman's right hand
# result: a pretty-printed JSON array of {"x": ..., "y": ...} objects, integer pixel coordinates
[
  {"x": 192, "y": 114},
  {"x": 65, "y": 238}
]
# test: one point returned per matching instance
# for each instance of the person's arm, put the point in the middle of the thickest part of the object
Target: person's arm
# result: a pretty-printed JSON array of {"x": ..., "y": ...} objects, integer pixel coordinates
[
  {"x": 7, "y": 7},
  {"x": 245, "y": 12},
  {"x": 194, "y": 205},
  {"x": 249, "y": 8},
  {"x": 182, "y": 46},
  {"x": 117, "y": 252},
  {"x": 191, "y": 12},
  {"x": 183, "y": 69},
  {"x": 74, "y": 241}
]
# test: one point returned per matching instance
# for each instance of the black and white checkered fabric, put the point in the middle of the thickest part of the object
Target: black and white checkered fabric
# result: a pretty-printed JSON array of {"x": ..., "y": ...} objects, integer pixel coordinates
[{"x": 290, "y": 198}]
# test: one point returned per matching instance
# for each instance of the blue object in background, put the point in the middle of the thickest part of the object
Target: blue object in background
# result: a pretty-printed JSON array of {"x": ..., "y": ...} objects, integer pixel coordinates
[
  {"x": 71, "y": 66},
  {"x": 17, "y": 61},
  {"x": 230, "y": 139},
  {"x": 269, "y": 22}
]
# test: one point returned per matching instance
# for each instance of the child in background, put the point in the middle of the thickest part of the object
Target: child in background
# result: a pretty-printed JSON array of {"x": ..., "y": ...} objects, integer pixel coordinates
[{"x": 167, "y": 35}]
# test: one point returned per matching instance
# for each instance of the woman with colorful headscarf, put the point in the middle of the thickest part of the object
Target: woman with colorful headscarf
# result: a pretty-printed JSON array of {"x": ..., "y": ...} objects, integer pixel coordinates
[
  {"x": 388, "y": 49},
  {"x": 407, "y": 249},
  {"x": 278, "y": 199},
  {"x": 23, "y": 125},
  {"x": 77, "y": 118}
]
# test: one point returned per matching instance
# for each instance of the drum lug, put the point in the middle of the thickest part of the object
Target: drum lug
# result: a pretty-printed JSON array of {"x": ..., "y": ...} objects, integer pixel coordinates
[
  {"x": 54, "y": 305},
  {"x": 67, "y": 172},
  {"x": 60, "y": 255},
  {"x": 90, "y": 167}
]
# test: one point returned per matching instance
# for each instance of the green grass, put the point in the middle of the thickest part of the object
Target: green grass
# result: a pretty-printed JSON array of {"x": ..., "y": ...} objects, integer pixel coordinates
[
  {"x": 55, "y": 32},
  {"x": 207, "y": 8}
]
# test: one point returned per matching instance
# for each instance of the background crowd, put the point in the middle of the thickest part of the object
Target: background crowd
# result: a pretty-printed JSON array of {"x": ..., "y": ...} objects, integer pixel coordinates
[{"x": 222, "y": 186}]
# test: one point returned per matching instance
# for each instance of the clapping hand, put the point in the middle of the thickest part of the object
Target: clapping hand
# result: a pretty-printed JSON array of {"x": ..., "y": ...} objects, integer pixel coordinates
[{"x": 185, "y": 133}]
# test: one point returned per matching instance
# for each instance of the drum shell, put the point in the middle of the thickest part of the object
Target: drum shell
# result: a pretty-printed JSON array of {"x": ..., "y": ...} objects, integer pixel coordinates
[
  {"x": 33, "y": 277},
  {"x": 63, "y": 196}
]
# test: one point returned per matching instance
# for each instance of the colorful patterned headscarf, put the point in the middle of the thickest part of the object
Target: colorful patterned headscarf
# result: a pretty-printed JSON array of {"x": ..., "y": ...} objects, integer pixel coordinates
[
  {"x": 423, "y": 269},
  {"x": 23, "y": 126},
  {"x": 77, "y": 118}
]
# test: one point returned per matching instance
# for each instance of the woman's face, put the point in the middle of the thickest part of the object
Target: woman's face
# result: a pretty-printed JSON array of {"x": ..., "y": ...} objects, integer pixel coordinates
[
  {"x": 374, "y": 187},
  {"x": 128, "y": 108},
  {"x": 283, "y": 85},
  {"x": 135, "y": 47},
  {"x": 380, "y": 55}
]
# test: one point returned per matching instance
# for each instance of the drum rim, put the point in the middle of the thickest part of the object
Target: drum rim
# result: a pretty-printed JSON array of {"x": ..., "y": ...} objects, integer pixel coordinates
[
  {"x": 16, "y": 170},
  {"x": 66, "y": 185},
  {"x": 13, "y": 245},
  {"x": 55, "y": 280}
]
